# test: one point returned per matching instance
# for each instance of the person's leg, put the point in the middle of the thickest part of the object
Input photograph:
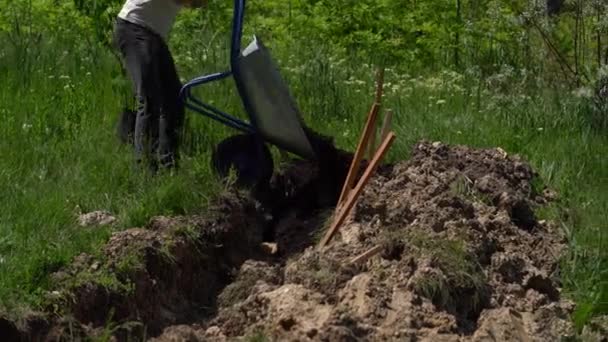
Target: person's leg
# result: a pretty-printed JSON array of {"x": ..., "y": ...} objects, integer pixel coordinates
[
  {"x": 172, "y": 114},
  {"x": 125, "y": 123},
  {"x": 137, "y": 46},
  {"x": 126, "y": 126}
]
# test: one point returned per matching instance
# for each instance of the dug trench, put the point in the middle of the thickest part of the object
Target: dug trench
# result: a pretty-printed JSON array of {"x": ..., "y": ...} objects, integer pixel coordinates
[{"x": 462, "y": 257}]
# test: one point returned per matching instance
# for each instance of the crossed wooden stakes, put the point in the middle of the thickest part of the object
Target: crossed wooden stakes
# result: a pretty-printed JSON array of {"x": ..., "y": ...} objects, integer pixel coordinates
[{"x": 351, "y": 191}]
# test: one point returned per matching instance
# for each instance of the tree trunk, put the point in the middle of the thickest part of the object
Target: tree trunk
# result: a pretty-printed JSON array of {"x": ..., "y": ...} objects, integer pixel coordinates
[
  {"x": 577, "y": 43},
  {"x": 582, "y": 35},
  {"x": 554, "y": 7},
  {"x": 457, "y": 36},
  {"x": 599, "y": 36}
]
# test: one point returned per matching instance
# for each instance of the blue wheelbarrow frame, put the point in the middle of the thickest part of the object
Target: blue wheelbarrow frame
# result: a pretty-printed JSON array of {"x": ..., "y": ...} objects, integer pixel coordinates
[{"x": 250, "y": 103}]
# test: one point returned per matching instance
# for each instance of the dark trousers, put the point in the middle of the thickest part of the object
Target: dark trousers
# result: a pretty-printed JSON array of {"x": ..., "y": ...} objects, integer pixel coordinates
[{"x": 160, "y": 112}]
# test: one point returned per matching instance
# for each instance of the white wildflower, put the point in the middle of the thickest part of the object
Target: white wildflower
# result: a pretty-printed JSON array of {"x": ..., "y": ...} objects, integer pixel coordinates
[
  {"x": 42, "y": 174},
  {"x": 603, "y": 71},
  {"x": 584, "y": 92}
]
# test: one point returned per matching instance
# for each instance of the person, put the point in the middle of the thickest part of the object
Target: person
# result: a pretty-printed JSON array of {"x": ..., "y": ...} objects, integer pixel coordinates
[{"x": 141, "y": 31}]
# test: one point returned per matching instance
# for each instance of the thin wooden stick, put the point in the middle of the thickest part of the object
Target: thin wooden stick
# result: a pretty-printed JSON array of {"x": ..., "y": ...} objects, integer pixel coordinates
[
  {"x": 354, "y": 165},
  {"x": 352, "y": 197},
  {"x": 366, "y": 255},
  {"x": 386, "y": 124}
]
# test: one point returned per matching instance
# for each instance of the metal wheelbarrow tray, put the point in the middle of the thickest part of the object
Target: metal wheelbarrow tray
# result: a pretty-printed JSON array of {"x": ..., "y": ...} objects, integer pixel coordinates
[{"x": 273, "y": 115}]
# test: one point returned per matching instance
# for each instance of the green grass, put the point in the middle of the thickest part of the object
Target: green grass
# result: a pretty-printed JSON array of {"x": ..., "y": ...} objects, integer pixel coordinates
[
  {"x": 257, "y": 336},
  {"x": 59, "y": 154},
  {"x": 456, "y": 272},
  {"x": 60, "y": 157}
]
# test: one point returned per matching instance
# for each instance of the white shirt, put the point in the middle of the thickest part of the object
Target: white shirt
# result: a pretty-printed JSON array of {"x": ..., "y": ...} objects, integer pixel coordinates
[{"x": 157, "y": 15}]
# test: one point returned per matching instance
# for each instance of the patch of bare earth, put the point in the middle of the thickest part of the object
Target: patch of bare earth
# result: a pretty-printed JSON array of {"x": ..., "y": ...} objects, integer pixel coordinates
[{"x": 463, "y": 258}]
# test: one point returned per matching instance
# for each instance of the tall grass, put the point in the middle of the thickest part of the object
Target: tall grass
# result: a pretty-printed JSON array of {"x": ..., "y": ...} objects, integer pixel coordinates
[
  {"x": 60, "y": 157},
  {"x": 59, "y": 154}
]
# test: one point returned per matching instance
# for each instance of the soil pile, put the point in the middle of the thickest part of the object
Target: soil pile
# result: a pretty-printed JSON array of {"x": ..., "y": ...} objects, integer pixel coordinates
[{"x": 462, "y": 258}]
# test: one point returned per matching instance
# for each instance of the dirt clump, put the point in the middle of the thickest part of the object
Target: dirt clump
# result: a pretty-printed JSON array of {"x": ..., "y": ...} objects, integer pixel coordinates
[{"x": 96, "y": 218}]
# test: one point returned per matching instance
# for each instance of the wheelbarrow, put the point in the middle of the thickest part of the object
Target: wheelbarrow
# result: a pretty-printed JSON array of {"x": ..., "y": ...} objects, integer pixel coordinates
[{"x": 273, "y": 114}]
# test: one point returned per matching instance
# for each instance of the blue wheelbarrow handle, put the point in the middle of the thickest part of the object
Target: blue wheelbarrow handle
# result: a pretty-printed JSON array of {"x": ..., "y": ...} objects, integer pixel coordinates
[
  {"x": 193, "y": 103},
  {"x": 273, "y": 114}
]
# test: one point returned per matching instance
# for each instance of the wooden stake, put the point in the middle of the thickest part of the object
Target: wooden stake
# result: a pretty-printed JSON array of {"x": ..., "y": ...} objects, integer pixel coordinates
[
  {"x": 366, "y": 255},
  {"x": 371, "y": 146},
  {"x": 344, "y": 210},
  {"x": 363, "y": 141},
  {"x": 386, "y": 124}
]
